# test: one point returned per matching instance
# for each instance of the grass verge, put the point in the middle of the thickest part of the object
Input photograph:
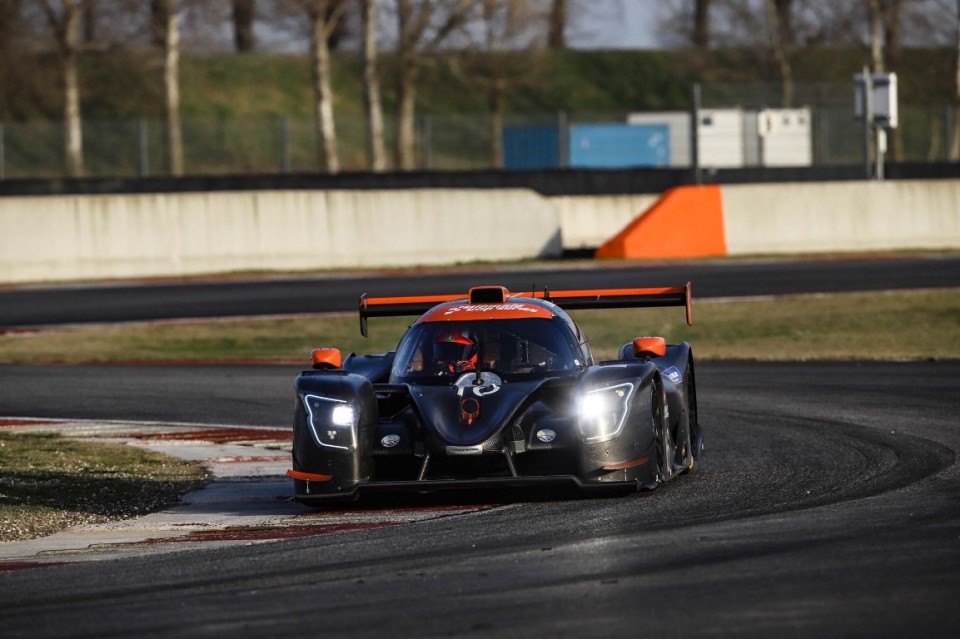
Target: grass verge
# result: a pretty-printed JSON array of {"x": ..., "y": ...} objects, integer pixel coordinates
[
  {"x": 870, "y": 326},
  {"x": 48, "y": 483}
]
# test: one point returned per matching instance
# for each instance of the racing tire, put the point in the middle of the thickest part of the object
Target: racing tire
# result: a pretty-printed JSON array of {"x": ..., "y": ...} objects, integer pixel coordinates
[
  {"x": 693, "y": 416},
  {"x": 686, "y": 459},
  {"x": 666, "y": 448}
]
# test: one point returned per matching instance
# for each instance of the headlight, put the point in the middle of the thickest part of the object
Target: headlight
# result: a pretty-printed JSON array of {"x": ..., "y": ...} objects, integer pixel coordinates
[
  {"x": 603, "y": 411},
  {"x": 333, "y": 422}
]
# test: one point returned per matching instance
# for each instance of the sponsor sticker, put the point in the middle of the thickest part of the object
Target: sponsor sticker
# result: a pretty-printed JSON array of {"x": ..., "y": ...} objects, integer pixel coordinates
[
  {"x": 389, "y": 441},
  {"x": 546, "y": 435},
  {"x": 673, "y": 374},
  {"x": 484, "y": 308}
]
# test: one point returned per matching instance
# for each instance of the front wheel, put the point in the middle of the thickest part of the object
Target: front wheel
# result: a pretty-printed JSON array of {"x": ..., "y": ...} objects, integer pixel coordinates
[
  {"x": 692, "y": 418},
  {"x": 666, "y": 447}
]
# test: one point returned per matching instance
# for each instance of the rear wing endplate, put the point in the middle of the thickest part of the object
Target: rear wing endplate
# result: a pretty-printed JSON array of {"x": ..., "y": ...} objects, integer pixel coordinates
[{"x": 568, "y": 300}]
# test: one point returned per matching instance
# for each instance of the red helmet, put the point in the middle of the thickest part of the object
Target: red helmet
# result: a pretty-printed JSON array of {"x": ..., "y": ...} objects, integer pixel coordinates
[{"x": 454, "y": 351}]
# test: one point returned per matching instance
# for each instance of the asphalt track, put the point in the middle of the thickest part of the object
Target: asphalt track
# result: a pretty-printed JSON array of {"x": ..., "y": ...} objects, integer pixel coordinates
[
  {"x": 44, "y": 306},
  {"x": 827, "y": 502}
]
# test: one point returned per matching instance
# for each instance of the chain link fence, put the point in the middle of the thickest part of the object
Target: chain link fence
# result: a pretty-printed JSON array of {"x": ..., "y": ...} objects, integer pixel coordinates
[{"x": 743, "y": 120}]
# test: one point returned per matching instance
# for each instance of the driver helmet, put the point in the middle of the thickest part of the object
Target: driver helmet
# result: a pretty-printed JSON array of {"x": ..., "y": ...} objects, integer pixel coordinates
[{"x": 454, "y": 351}]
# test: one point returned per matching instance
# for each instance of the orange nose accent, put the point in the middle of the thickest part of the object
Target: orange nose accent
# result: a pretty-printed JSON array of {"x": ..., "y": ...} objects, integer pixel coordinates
[{"x": 469, "y": 410}]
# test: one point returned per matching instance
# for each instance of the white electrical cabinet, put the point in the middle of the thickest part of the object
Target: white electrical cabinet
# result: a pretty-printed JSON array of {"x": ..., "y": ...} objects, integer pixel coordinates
[
  {"x": 784, "y": 137},
  {"x": 733, "y": 138}
]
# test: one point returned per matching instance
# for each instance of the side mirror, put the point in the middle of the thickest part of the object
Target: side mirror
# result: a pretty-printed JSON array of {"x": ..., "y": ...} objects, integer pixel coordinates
[
  {"x": 326, "y": 358},
  {"x": 647, "y": 347}
]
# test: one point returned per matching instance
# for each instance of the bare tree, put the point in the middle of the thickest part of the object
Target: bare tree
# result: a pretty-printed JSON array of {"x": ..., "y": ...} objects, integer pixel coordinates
[
  {"x": 11, "y": 21},
  {"x": 507, "y": 53},
  {"x": 955, "y": 143},
  {"x": 65, "y": 24},
  {"x": 165, "y": 17},
  {"x": 323, "y": 16},
  {"x": 781, "y": 33},
  {"x": 158, "y": 23},
  {"x": 885, "y": 30},
  {"x": 693, "y": 22},
  {"x": 701, "y": 24},
  {"x": 556, "y": 34},
  {"x": 90, "y": 16},
  {"x": 317, "y": 22},
  {"x": 876, "y": 36},
  {"x": 373, "y": 109},
  {"x": 171, "y": 86},
  {"x": 422, "y": 28},
  {"x": 243, "y": 15},
  {"x": 892, "y": 23}
]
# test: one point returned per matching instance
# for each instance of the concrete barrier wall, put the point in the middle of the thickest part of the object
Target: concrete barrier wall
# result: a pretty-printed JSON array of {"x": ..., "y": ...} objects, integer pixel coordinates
[
  {"x": 842, "y": 216},
  {"x": 793, "y": 218},
  {"x": 115, "y": 236},
  {"x": 588, "y": 220},
  {"x": 62, "y": 238}
]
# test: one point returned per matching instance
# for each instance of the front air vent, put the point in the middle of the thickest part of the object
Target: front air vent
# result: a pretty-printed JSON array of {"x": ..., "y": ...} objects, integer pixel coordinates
[{"x": 488, "y": 295}]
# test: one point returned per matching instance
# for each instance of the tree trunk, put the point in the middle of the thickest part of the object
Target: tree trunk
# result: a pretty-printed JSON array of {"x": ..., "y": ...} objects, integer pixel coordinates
[
  {"x": 778, "y": 12},
  {"x": 407, "y": 85},
  {"x": 891, "y": 30},
  {"x": 376, "y": 149},
  {"x": 955, "y": 143},
  {"x": 90, "y": 21},
  {"x": 784, "y": 9},
  {"x": 407, "y": 98},
  {"x": 243, "y": 16},
  {"x": 158, "y": 22},
  {"x": 876, "y": 36},
  {"x": 497, "y": 92},
  {"x": 337, "y": 29},
  {"x": 323, "y": 93},
  {"x": 171, "y": 86},
  {"x": 411, "y": 29},
  {"x": 891, "y": 54},
  {"x": 885, "y": 51},
  {"x": 73, "y": 139},
  {"x": 701, "y": 24},
  {"x": 556, "y": 36},
  {"x": 11, "y": 22}
]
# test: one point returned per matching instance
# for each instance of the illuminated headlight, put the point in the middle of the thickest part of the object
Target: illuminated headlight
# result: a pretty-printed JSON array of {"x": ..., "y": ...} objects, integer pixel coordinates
[
  {"x": 333, "y": 422},
  {"x": 603, "y": 412},
  {"x": 343, "y": 415}
]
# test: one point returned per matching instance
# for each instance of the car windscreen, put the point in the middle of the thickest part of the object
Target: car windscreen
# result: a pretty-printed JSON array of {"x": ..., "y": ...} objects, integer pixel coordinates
[{"x": 439, "y": 352}]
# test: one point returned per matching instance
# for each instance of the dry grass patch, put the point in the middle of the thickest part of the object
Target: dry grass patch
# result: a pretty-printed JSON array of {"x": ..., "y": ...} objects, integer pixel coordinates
[
  {"x": 899, "y": 325},
  {"x": 48, "y": 483},
  {"x": 879, "y": 326}
]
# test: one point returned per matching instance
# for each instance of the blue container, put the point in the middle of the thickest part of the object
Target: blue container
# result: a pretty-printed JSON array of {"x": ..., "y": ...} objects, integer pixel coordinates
[
  {"x": 614, "y": 146},
  {"x": 531, "y": 147}
]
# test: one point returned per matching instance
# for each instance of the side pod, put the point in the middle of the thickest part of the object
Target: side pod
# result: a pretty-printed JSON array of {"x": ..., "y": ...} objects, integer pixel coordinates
[{"x": 334, "y": 431}]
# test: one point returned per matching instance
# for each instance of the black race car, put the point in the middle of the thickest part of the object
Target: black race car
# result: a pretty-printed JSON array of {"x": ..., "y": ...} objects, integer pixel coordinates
[{"x": 497, "y": 390}]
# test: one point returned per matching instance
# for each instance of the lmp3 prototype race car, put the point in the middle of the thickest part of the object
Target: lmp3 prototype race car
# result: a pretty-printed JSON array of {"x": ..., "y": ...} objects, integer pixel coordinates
[{"x": 494, "y": 390}]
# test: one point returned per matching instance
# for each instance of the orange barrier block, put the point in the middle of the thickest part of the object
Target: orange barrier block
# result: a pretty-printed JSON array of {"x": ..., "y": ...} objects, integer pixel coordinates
[{"x": 686, "y": 221}]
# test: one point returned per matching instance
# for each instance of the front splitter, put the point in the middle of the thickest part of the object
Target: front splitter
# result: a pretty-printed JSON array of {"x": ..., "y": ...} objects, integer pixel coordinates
[{"x": 541, "y": 484}]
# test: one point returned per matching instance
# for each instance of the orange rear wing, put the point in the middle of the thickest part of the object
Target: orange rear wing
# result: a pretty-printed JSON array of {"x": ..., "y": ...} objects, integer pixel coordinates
[
  {"x": 621, "y": 298},
  {"x": 399, "y": 306},
  {"x": 568, "y": 300}
]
